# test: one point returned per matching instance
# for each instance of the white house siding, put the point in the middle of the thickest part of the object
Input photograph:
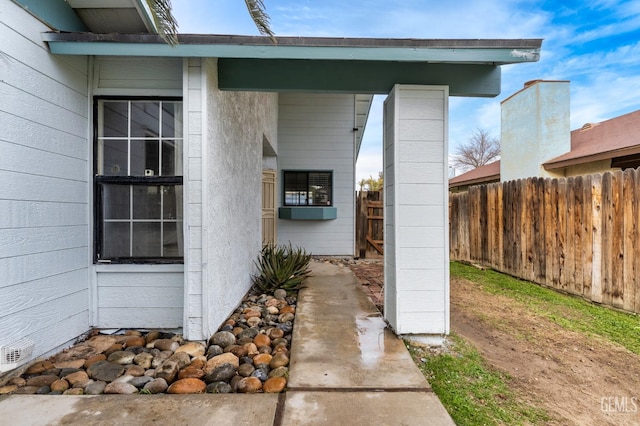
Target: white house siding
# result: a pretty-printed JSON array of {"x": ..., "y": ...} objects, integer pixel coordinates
[
  {"x": 194, "y": 98},
  {"x": 417, "y": 209},
  {"x": 236, "y": 125},
  {"x": 315, "y": 132},
  {"x": 137, "y": 296},
  {"x": 44, "y": 229}
]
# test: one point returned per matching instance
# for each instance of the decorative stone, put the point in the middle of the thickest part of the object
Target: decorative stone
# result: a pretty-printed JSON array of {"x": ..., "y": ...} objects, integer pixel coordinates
[
  {"x": 198, "y": 362},
  {"x": 219, "y": 360},
  {"x": 262, "y": 340},
  {"x": 249, "y": 385},
  {"x": 248, "y": 332},
  {"x": 18, "y": 381},
  {"x": 44, "y": 380},
  {"x": 235, "y": 381},
  {"x": 260, "y": 373},
  {"x": 274, "y": 385},
  {"x": 181, "y": 358},
  {"x": 187, "y": 386},
  {"x": 76, "y": 363},
  {"x": 60, "y": 385},
  {"x": 105, "y": 371},
  {"x": 219, "y": 387},
  {"x": 135, "y": 370},
  {"x": 191, "y": 372},
  {"x": 237, "y": 350},
  {"x": 143, "y": 360},
  {"x": 7, "y": 389},
  {"x": 262, "y": 359},
  {"x": 123, "y": 379},
  {"x": 279, "y": 359},
  {"x": 120, "y": 388},
  {"x": 132, "y": 333},
  {"x": 89, "y": 362},
  {"x": 158, "y": 385},
  {"x": 113, "y": 348},
  {"x": 95, "y": 388},
  {"x": 287, "y": 317},
  {"x": 272, "y": 310},
  {"x": 254, "y": 321},
  {"x": 192, "y": 349},
  {"x": 166, "y": 345},
  {"x": 139, "y": 382},
  {"x": 279, "y": 372},
  {"x": 222, "y": 339},
  {"x": 265, "y": 349},
  {"x": 121, "y": 357},
  {"x": 168, "y": 370},
  {"x": 214, "y": 350},
  {"x": 280, "y": 294},
  {"x": 160, "y": 358},
  {"x": 26, "y": 390},
  {"x": 288, "y": 310},
  {"x": 246, "y": 369},
  {"x": 222, "y": 373},
  {"x": 39, "y": 367},
  {"x": 77, "y": 377},
  {"x": 134, "y": 341},
  {"x": 251, "y": 348},
  {"x": 74, "y": 391},
  {"x": 152, "y": 336},
  {"x": 101, "y": 343}
]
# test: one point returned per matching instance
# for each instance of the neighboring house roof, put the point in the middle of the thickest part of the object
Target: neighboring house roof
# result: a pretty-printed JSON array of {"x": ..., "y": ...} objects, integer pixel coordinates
[
  {"x": 609, "y": 139},
  {"x": 483, "y": 174}
]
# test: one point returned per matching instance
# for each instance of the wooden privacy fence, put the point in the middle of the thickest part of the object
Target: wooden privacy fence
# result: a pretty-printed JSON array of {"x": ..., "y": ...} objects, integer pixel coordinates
[
  {"x": 580, "y": 235},
  {"x": 369, "y": 224}
]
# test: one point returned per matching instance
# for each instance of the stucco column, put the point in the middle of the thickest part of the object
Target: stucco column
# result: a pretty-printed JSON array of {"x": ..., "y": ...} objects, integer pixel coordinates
[{"x": 416, "y": 211}]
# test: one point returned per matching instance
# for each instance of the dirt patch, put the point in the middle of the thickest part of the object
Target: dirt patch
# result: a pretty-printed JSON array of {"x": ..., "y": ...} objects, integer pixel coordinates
[{"x": 577, "y": 379}]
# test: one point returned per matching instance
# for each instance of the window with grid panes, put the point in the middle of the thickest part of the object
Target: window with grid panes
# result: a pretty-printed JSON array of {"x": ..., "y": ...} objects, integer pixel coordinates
[
  {"x": 308, "y": 188},
  {"x": 138, "y": 180}
]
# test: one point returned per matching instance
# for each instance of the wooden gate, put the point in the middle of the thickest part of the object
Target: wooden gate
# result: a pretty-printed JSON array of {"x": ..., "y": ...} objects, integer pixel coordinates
[
  {"x": 268, "y": 207},
  {"x": 369, "y": 224}
]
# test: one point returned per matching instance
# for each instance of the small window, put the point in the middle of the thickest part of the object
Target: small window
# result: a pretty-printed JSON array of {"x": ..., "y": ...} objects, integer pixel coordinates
[
  {"x": 308, "y": 188},
  {"x": 138, "y": 180}
]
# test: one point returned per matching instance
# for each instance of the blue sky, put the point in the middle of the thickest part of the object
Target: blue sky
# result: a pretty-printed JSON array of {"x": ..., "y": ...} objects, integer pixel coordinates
[{"x": 594, "y": 44}]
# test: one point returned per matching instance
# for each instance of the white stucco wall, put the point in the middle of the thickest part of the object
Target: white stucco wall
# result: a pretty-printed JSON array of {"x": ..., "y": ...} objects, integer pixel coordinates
[
  {"x": 315, "y": 132},
  {"x": 44, "y": 197},
  {"x": 416, "y": 210},
  {"x": 236, "y": 124},
  {"x": 535, "y": 128}
]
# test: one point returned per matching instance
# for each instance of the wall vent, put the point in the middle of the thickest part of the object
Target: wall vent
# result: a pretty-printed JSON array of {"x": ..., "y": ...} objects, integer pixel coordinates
[{"x": 15, "y": 354}]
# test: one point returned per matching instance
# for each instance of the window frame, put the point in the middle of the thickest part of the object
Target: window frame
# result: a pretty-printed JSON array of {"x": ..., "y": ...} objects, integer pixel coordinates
[
  {"x": 100, "y": 180},
  {"x": 307, "y": 172}
]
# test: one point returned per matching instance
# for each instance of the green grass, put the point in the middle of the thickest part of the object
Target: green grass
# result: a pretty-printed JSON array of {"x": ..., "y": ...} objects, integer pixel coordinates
[
  {"x": 471, "y": 391},
  {"x": 571, "y": 313}
]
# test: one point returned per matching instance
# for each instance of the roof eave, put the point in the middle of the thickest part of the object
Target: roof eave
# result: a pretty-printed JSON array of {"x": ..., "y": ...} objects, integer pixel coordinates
[
  {"x": 607, "y": 155},
  {"x": 484, "y": 179},
  {"x": 494, "y": 52}
]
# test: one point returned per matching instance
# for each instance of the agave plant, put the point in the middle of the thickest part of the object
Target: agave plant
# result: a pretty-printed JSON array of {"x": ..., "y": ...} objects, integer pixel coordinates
[{"x": 281, "y": 267}]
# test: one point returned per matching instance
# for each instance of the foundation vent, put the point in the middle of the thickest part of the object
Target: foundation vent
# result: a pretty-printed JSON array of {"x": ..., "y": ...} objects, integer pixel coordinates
[{"x": 15, "y": 354}]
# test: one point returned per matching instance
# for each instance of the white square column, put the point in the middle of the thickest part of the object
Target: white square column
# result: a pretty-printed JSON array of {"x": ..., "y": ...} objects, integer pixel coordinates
[{"x": 416, "y": 211}]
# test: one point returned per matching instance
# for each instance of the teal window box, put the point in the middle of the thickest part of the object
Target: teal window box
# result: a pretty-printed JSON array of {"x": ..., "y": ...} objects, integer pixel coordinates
[{"x": 308, "y": 213}]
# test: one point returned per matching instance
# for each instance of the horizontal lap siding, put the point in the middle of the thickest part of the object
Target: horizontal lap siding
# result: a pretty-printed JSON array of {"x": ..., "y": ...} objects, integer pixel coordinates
[
  {"x": 315, "y": 132},
  {"x": 44, "y": 234},
  {"x": 144, "y": 296}
]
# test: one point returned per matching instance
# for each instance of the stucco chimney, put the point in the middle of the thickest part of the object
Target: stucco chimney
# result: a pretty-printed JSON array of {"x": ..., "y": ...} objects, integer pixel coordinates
[{"x": 535, "y": 127}]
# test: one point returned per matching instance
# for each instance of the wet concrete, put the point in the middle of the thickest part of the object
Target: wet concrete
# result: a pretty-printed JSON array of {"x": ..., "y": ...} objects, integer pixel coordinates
[
  {"x": 347, "y": 368},
  {"x": 341, "y": 340}
]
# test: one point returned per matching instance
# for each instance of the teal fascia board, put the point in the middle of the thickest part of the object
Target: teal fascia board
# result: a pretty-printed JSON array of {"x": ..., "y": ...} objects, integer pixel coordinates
[
  {"x": 355, "y": 76},
  {"x": 493, "y": 56},
  {"x": 57, "y": 14},
  {"x": 308, "y": 213}
]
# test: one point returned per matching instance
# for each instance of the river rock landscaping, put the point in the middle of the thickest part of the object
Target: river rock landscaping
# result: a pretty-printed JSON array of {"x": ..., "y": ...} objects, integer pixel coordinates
[{"x": 249, "y": 354}]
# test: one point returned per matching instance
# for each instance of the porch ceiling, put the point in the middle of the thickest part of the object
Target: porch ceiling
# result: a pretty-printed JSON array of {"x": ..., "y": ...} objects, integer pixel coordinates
[{"x": 355, "y": 65}]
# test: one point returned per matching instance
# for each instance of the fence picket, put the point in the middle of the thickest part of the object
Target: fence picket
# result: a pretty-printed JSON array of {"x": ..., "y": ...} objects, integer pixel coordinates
[{"x": 579, "y": 235}]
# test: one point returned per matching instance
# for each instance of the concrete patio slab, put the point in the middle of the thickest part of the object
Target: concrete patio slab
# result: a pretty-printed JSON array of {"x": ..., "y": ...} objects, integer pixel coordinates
[
  {"x": 231, "y": 409},
  {"x": 365, "y": 408}
]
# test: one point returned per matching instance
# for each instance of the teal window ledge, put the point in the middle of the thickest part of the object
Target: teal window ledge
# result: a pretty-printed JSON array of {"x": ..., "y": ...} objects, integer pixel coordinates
[{"x": 308, "y": 213}]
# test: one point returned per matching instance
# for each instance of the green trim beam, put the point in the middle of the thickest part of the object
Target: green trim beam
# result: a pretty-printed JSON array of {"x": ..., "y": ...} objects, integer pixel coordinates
[
  {"x": 355, "y": 76},
  {"x": 57, "y": 14}
]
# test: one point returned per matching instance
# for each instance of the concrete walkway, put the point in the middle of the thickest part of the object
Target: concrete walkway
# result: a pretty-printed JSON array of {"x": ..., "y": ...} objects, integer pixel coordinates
[{"x": 347, "y": 368}]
